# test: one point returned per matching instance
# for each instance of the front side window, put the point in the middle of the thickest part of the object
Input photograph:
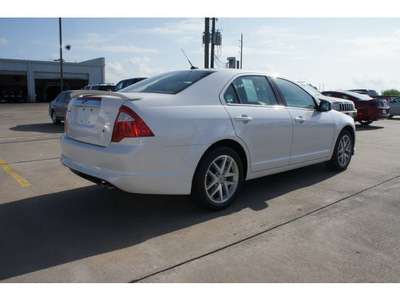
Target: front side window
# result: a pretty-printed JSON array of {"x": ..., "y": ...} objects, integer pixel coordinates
[
  {"x": 253, "y": 90},
  {"x": 294, "y": 95},
  {"x": 168, "y": 83}
]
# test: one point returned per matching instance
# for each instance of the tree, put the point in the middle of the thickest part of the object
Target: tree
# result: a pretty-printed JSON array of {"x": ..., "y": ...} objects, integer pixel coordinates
[{"x": 391, "y": 92}]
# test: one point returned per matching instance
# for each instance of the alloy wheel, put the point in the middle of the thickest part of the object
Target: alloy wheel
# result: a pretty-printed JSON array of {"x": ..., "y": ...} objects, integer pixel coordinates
[
  {"x": 222, "y": 179},
  {"x": 344, "y": 150}
]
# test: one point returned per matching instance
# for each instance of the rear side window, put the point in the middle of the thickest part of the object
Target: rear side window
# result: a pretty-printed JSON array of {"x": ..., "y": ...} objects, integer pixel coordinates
[
  {"x": 253, "y": 90},
  {"x": 168, "y": 83}
]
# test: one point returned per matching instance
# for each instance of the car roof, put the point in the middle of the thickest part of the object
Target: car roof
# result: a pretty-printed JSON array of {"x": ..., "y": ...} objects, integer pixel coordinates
[{"x": 353, "y": 94}]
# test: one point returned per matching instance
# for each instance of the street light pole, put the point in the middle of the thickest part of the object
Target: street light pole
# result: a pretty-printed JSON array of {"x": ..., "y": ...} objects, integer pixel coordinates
[
  {"x": 212, "y": 43},
  {"x": 61, "y": 59},
  {"x": 206, "y": 42}
]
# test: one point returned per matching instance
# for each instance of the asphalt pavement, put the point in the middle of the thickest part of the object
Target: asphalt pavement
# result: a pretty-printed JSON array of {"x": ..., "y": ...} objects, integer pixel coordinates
[{"x": 308, "y": 225}]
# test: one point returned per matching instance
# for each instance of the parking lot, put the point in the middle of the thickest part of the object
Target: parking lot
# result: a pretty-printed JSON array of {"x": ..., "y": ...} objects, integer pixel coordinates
[{"x": 306, "y": 225}]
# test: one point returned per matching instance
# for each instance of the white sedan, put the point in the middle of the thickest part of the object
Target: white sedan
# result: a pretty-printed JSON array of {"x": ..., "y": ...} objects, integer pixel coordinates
[{"x": 202, "y": 133}]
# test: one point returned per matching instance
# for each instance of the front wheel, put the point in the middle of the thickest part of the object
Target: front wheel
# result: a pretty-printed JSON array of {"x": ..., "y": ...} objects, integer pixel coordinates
[
  {"x": 342, "y": 153},
  {"x": 217, "y": 179}
]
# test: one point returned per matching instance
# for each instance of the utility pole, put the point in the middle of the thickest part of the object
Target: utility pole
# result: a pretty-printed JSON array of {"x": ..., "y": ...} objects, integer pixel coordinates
[
  {"x": 212, "y": 42},
  {"x": 61, "y": 59},
  {"x": 241, "y": 51},
  {"x": 206, "y": 42}
]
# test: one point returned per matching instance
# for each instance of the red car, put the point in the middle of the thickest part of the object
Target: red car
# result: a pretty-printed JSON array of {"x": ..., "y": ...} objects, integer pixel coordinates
[{"x": 368, "y": 109}]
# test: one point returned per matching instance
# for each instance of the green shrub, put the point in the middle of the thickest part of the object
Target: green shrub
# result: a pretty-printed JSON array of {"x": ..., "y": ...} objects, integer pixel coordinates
[{"x": 391, "y": 92}]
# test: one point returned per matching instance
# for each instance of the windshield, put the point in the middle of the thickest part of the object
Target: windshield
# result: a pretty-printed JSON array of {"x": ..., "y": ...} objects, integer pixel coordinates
[
  {"x": 311, "y": 90},
  {"x": 168, "y": 83}
]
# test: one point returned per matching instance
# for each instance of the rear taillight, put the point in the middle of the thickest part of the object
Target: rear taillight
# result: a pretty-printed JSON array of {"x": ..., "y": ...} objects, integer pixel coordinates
[{"x": 129, "y": 124}]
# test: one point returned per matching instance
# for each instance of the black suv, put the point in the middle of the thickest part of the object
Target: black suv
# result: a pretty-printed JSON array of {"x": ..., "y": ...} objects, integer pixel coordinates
[
  {"x": 100, "y": 87},
  {"x": 127, "y": 82}
]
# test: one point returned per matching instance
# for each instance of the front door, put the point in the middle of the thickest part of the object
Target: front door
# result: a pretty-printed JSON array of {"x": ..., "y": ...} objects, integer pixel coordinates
[{"x": 313, "y": 131}]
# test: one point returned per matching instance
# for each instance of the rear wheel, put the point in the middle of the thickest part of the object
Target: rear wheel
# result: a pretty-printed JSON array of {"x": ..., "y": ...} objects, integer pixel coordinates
[
  {"x": 56, "y": 121},
  {"x": 343, "y": 151},
  {"x": 218, "y": 179}
]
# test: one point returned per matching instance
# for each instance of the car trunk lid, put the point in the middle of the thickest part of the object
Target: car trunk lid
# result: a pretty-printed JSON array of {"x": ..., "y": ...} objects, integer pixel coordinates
[{"x": 91, "y": 116}]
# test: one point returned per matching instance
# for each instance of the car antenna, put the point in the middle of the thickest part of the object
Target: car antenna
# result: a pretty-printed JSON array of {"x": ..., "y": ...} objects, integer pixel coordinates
[{"x": 192, "y": 67}]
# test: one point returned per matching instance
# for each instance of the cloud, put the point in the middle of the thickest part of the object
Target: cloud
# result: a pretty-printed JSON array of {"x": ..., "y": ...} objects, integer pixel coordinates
[
  {"x": 187, "y": 26},
  {"x": 134, "y": 67},
  {"x": 121, "y": 49},
  {"x": 3, "y": 41},
  {"x": 187, "y": 31},
  {"x": 96, "y": 42},
  {"x": 375, "y": 80},
  {"x": 283, "y": 34},
  {"x": 374, "y": 46},
  {"x": 144, "y": 66},
  {"x": 272, "y": 40},
  {"x": 115, "y": 72}
]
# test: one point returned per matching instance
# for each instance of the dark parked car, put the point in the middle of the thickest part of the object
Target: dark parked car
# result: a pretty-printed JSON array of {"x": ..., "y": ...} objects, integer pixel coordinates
[
  {"x": 368, "y": 109},
  {"x": 371, "y": 93},
  {"x": 12, "y": 94},
  {"x": 127, "y": 82},
  {"x": 374, "y": 94},
  {"x": 100, "y": 87},
  {"x": 58, "y": 107}
]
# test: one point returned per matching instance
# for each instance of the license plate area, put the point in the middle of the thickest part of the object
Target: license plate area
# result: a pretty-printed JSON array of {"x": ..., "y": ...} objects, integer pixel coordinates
[
  {"x": 87, "y": 116},
  {"x": 87, "y": 111}
]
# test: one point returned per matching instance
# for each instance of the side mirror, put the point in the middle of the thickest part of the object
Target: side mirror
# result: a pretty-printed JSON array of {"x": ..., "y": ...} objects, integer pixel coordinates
[{"x": 324, "y": 105}]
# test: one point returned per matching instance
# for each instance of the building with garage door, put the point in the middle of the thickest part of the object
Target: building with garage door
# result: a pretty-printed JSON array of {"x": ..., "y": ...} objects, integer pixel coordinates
[{"x": 40, "y": 81}]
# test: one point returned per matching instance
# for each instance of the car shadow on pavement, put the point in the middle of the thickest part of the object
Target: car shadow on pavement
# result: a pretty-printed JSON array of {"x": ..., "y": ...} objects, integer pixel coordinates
[
  {"x": 367, "y": 127},
  {"x": 49, "y": 230},
  {"x": 42, "y": 128}
]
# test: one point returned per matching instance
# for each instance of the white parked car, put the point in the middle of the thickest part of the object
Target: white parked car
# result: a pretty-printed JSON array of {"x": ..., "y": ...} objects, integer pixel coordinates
[
  {"x": 344, "y": 106},
  {"x": 201, "y": 133}
]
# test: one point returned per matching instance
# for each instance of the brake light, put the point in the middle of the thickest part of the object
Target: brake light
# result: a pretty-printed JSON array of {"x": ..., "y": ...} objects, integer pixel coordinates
[{"x": 129, "y": 124}]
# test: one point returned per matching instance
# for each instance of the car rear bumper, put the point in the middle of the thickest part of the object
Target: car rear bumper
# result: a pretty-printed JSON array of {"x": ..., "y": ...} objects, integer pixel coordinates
[
  {"x": 382, "y": 114},
  {"x": 143, "y": 168}
]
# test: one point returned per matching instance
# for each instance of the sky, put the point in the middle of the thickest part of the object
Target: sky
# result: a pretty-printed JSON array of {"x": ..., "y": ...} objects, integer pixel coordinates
[{"x": 339, "y": 51}]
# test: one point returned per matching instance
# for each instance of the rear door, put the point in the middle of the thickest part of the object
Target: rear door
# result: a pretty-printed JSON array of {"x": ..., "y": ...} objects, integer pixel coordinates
[
  {"x": 313, "y": 131},
  {"x": 264, "y": 126}
]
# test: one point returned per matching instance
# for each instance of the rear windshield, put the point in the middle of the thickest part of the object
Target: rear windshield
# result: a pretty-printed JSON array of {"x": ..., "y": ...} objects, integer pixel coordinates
[
  {"x": 379, "y": 103},
  {"x": 168, "y": 83}
]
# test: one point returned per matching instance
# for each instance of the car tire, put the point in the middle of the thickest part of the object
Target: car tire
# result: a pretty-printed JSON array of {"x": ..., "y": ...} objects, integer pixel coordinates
[
  {"x": 56, "y": 121},
  {"x": 342, "y": 153},
  {"x": 217, "y": 179}
]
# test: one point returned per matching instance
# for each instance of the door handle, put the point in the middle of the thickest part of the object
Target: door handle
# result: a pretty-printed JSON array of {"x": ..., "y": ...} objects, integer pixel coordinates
[
  {"x": 243, "y": 118},
  {"x": 299, "y": 119}
]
